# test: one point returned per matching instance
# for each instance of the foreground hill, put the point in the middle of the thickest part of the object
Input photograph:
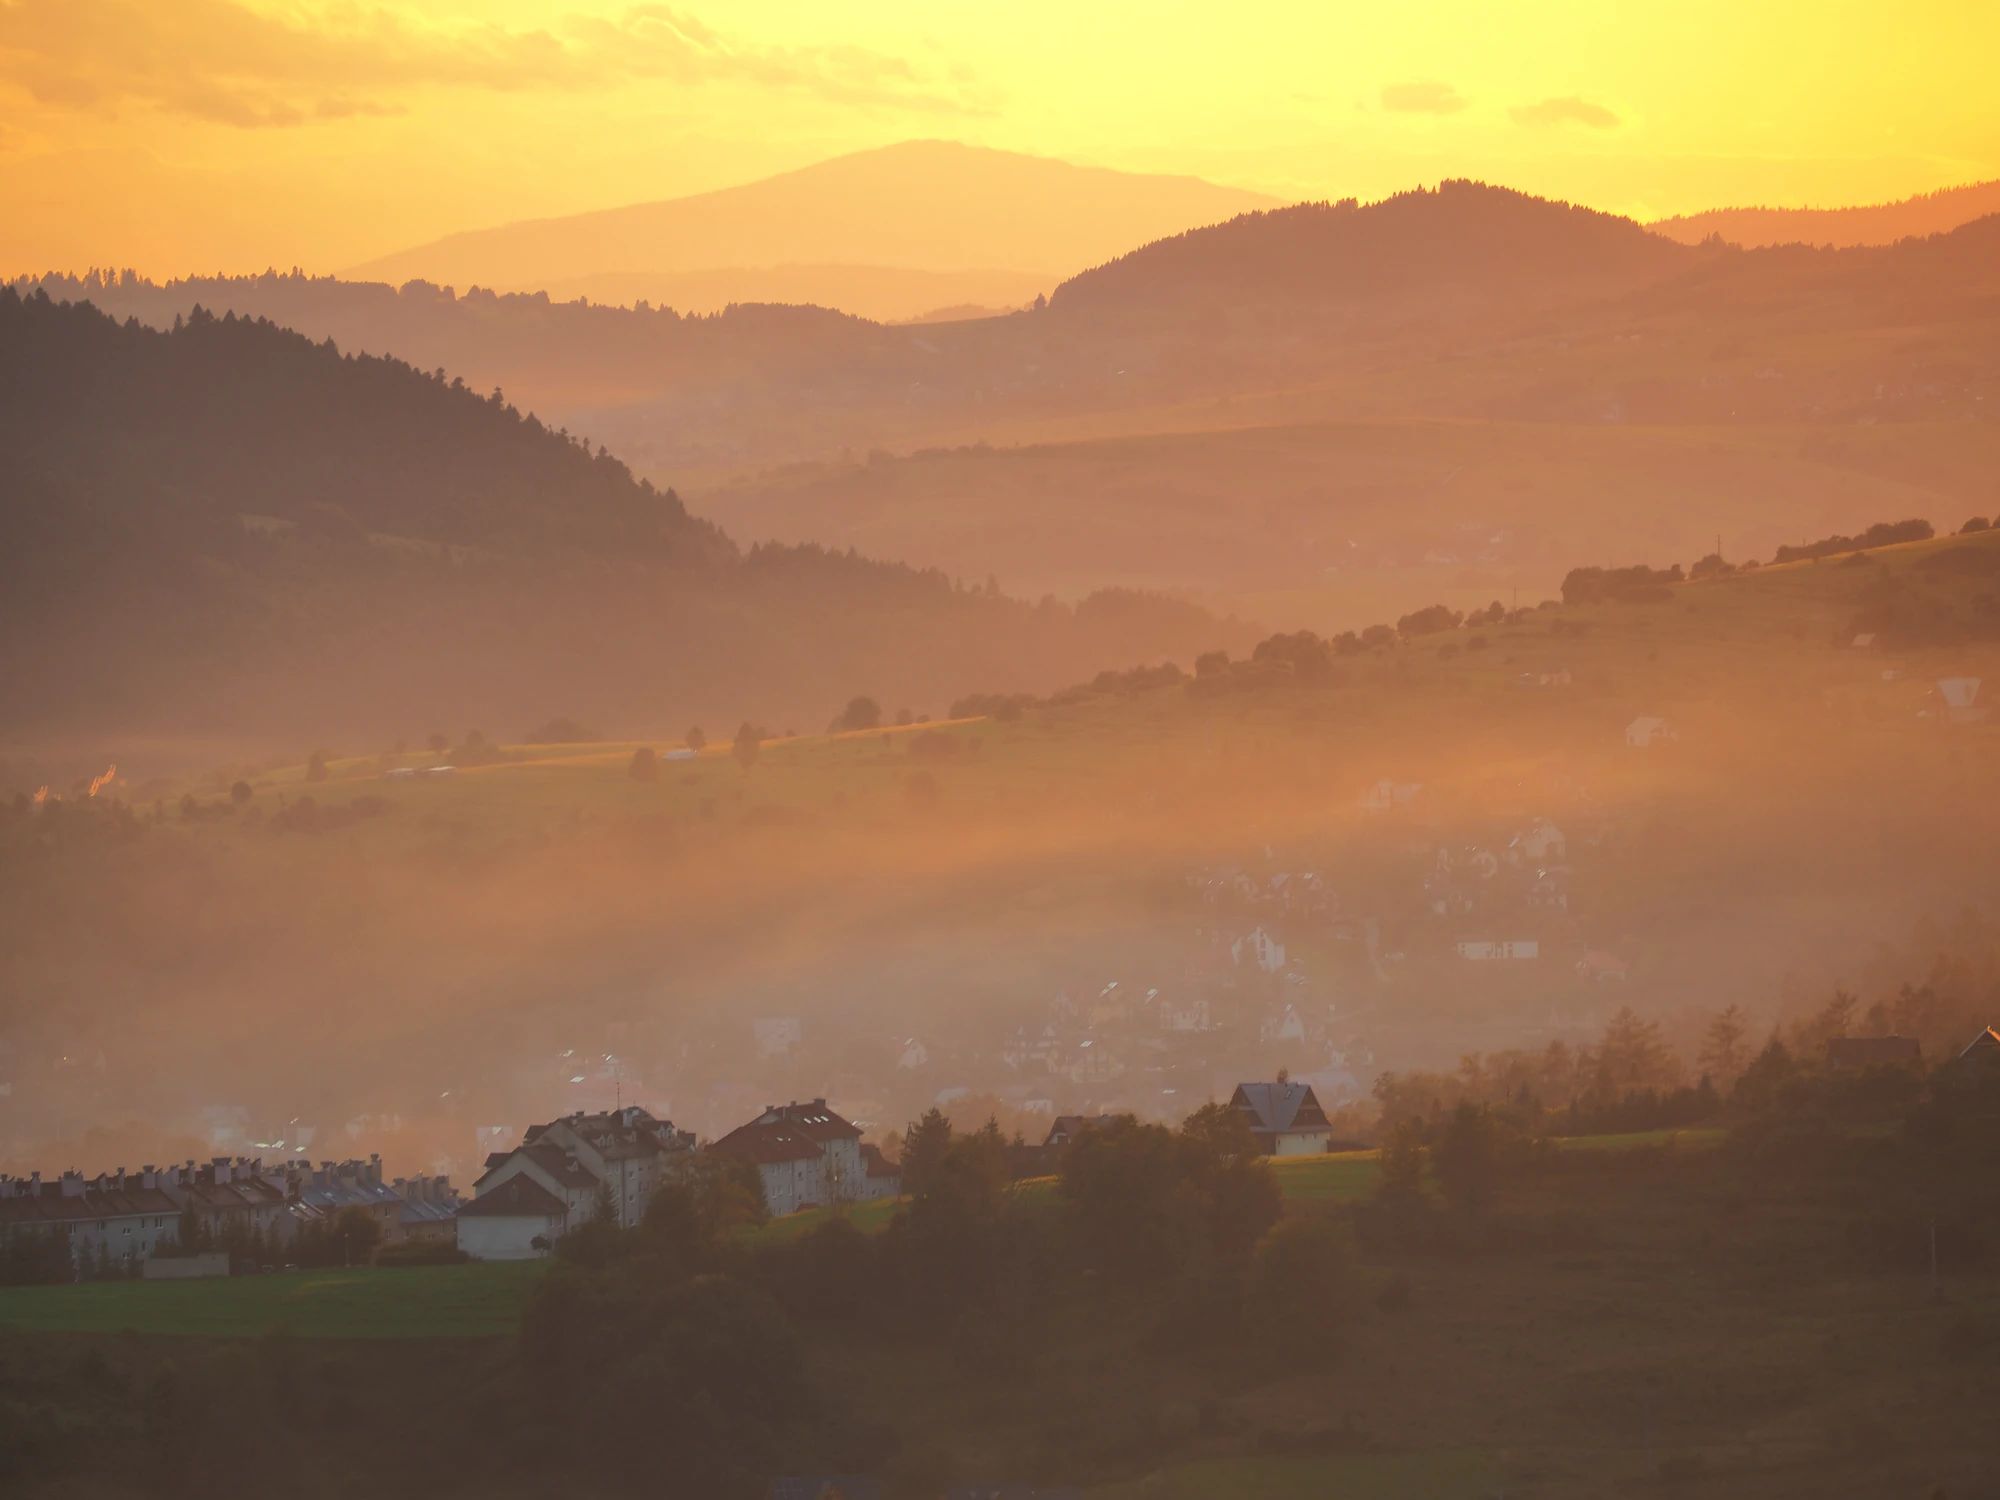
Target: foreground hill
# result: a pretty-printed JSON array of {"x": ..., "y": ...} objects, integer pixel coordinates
[
  {"x": 227, "y": 528},
  {"x": 1870, "y": 224},
  {"x": 921, "y": 206}
]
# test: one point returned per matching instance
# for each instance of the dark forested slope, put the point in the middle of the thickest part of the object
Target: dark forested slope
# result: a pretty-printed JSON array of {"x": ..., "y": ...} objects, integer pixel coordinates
[{"x": 226, "y": 528}]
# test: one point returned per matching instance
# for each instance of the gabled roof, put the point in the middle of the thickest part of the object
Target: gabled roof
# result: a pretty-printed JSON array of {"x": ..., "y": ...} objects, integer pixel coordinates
[
  {"x": 519, "y": 1197},
  {"x": 877, "y": 1164},
  {"x": 51, "y": 1206},
  {"x": 1279, "y": 1106},
  {"x": 814, "y": 1120},
  {"x": 767, "y": 1145},
  {"x": 1986, "y": 1044}
]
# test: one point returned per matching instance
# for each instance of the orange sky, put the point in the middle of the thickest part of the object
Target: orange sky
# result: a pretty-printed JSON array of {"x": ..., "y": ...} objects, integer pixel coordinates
[{"x": 180, "y": 135}]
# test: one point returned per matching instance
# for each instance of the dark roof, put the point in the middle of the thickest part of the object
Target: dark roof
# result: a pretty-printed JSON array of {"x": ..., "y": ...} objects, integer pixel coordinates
[
  {"x": 826, "y": 1487},
  {"x": 767, "y": 1144},
  {"x": 552, "y": 1159},
  {"x": 1279, "y": 1106},
  {"x": 1871, "y": 1051},
  {"x": 428, "y": 1211},
  {"x": 50, "y": 1206},
  {"x": 519, "y": 1197},
  {"x": 815, "y": 1119},
  {"x": 877, "y": 1164},
  {"x": 1986, "y": 1044}
]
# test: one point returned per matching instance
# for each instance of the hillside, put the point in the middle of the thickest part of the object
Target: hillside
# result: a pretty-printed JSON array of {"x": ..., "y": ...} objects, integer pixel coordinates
[
  {"x": 923, "y": 206},
  {"x": 1871, "y": 224},
  {"x": 439, "y": 952},
  {"x": 227, "y": 528},
  {"x": 1455, "y": 391}
]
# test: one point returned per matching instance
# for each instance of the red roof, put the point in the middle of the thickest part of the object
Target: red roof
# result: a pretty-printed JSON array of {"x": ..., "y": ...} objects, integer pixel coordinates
[{"x": 767, "y": 1145}]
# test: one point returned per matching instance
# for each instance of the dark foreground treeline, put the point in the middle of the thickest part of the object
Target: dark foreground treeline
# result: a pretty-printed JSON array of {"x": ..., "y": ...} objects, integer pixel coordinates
[{"x": 1139, "y": 1311}]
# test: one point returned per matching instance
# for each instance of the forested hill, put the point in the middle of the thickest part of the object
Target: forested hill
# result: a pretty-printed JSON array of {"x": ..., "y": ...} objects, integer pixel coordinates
[
  {"x": 199, "y": 421},
  {"x": 225, "y": 528},
  {"x": 1464, "y": 232}
]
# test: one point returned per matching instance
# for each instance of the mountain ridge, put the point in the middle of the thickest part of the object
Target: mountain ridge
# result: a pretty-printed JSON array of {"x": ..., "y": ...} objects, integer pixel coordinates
[{"x": 920, "y": 205}]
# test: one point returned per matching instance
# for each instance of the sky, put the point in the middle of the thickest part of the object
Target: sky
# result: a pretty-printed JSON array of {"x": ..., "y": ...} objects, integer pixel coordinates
[{"x": 178, "y": 136}]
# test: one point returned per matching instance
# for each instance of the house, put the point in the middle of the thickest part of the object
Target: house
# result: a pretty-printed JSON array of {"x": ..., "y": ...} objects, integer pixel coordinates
[
  {"x": 325, "y": 1193},
  {"x": 116, "y": 1218},
  {"x": 1961, "y": 700},
  {"x": 578, "y": 1190},
  {"x": 1850, "y": 1054},
  {"x": 1646, "y": 731},
  {"x": 430, "y": 1209},
  {"x": 230, "y": 1198},
  {"x": 826, "y": 1487},
  {"x": 805, "y": 1155},
  {"x": 1483, "y": 950},
  {"x": 1595, "y": 965},
  {"x": 913, "y": 1055},
  {"x": 881, "y": 1178},
  {"x": 1290, "y": 1027},
  {"x": 1983, "y": 1049},
  {"x": 1540, "y": 843},
  {"x": 1284, "y": 1116},
  {"x": 514, "y": 1219},
  {"x": 627, "y": 1150},
  {"x": 1259, "y": 948}
]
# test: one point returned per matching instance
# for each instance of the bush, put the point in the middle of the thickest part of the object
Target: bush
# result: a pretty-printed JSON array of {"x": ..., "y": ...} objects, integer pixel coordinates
[
  {"x": 860, "y": 713},
  {"x": 1428, "y": 621},
  {"x": 1635, "y": 585},
  {"x": 645, "y": 765}
]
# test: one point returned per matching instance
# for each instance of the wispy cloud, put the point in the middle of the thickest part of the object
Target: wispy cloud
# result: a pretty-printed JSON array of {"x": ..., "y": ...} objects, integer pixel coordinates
[
  {"x": 222, "y": 61},
  {"x": 1574, "y": 110},
  {"x": 1422, "y": 99}
]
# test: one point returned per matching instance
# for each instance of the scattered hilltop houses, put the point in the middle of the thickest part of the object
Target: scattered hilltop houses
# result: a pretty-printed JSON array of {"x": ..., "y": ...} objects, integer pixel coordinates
[
  {"x": 1285, "y": 1117},
  {"x": 1647, "y": 731}
]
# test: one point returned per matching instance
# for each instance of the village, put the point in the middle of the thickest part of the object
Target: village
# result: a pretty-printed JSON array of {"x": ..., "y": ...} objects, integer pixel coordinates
[{"x": 244, "y": 1216}]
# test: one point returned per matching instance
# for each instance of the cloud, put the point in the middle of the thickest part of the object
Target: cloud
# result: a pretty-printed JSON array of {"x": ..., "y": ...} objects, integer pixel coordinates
[
  {"x": 1422, "y": 99},
  {"x": 221, "y": 61},
  {"x": 1574, "y": 110}
]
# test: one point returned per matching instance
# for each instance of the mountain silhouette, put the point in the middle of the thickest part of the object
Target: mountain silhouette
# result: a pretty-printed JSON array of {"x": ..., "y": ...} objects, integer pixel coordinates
[
  {"x": 1464, "y": 232},
  {"x": 921, "y": 205},
  {"x": 1870, "y": 224}
]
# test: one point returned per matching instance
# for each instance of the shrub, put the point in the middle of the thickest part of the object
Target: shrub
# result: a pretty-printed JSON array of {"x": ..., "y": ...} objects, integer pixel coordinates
[
  {"x": 1302, "y": 1281},
  {"x": 645, "y": 765}
]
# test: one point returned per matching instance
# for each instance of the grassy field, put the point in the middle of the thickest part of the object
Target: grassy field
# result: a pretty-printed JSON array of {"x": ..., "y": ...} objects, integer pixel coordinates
[{"x": 470, "y": 1301}]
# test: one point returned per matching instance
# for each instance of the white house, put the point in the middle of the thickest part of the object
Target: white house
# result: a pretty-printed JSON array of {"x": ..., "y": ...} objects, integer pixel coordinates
[
  {"x": 1646, "y": 731},
  {"x": 1512, "y": 948},
  {"x": 1961, "y": 699},
  {"x": 1540, "y": 843},
  {"x": 577, "y": 1191},
  {"x": 1285, "y": 1117},
  {"x": 517, "y": 1219},
  {"x": 806, "y": 1156},
  {"x": 627, "y": 1151},
  {"x": 1259, "y": 948},
  {"x": 1386, "y": 795}
]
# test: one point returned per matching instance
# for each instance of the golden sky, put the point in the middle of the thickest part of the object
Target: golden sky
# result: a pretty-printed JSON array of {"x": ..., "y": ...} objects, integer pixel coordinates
[{"x": 181, "y": 135}]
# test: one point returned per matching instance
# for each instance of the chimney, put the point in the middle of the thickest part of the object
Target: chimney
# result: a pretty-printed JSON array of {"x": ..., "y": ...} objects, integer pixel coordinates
[
  {"x": 219, "y": 1171},
  {"x": 72, "y": 1184},
  {"x": 148, "y": 1178},
  {"x": 119, "y": 1181}
]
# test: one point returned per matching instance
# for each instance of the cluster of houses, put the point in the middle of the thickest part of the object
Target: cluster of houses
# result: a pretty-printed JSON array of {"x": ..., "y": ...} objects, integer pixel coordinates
[
  {"x": 127, "y": 1219},
  {"x": 572, "y": 1171}
]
